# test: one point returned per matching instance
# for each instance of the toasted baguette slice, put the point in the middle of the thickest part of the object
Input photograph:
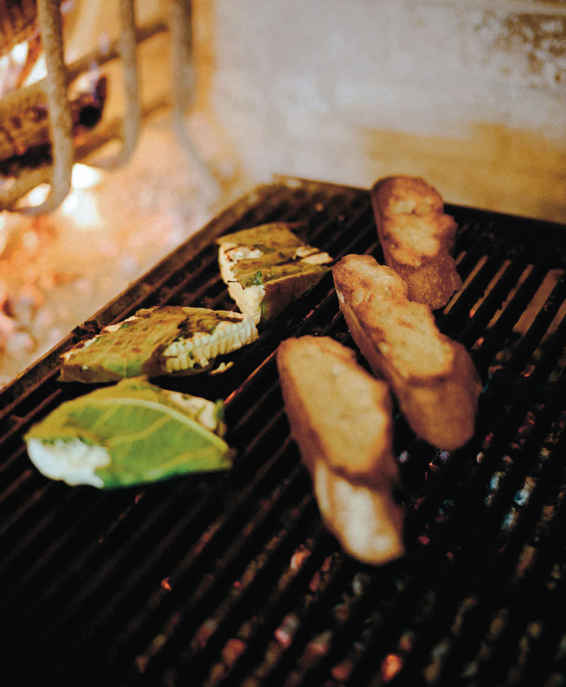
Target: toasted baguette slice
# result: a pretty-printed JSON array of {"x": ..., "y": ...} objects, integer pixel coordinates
[
  {"x": 340, "y": 416},
  {"x": 267, "y": 267},
  {"x": 417, "y": 237},
  {"x": 432, "y": 376}
]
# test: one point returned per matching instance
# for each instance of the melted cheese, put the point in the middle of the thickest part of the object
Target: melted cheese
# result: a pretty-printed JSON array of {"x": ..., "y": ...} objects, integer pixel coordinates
[{"x": 72, "y": 460}]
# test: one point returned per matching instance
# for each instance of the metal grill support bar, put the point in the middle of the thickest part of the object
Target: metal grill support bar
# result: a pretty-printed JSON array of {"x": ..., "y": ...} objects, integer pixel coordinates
[{"x": 53, "y": 89}]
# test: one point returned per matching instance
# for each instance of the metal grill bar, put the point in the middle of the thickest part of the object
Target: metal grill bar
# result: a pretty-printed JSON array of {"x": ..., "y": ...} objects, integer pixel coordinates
[
  {"x": 492, "y": 441},
  {"x": 475, "y": 627},
  {"x": 60, "y": 121},
  {"x": 197, "y": 579},
  {"x": 132, "y": 115}
]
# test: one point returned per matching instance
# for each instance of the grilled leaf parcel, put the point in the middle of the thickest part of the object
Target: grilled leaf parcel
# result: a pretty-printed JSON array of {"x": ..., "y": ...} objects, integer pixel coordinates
[
  {"x": 129, "y": 433},
  {"x": 168, "y": 340},
  {"x": 267, "y": 267}
]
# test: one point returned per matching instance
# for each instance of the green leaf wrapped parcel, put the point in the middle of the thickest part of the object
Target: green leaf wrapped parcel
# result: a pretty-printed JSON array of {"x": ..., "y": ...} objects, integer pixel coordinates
[
  {"x": 129, "y": 433},
  {"x": 268, "y": 267},
  {"x": 163, "y": 340}
]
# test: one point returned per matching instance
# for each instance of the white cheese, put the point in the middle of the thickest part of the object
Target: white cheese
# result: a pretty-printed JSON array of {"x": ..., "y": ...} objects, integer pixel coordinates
[
  {"x": 71, "y": 460},
  {"x": 201, "y": 348},
  {"x": 312, "y": 256},
  {"x": 201, "y": 408},
  {"x": 249, "y": 300}
]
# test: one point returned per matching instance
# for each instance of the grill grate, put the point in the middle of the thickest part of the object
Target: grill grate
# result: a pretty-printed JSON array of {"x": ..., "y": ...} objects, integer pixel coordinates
[{"x": 231, "y": 579}]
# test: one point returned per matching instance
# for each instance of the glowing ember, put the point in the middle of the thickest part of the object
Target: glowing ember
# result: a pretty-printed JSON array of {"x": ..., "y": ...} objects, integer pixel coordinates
[
  {"x": 232, "y": 650},
  {"x": 298, "y": 558},
  {"x": 285, "y": 632},
  {"x": 342, "y": 671},
  {"x": 390, "y": 666}
]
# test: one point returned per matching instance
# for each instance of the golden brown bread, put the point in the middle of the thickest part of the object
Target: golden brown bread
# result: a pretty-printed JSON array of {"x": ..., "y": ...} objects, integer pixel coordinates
[
  {"x": 432, "y": 376},
  {"x": 416, "y": 237},
  {"x": 340, "y": 416}
]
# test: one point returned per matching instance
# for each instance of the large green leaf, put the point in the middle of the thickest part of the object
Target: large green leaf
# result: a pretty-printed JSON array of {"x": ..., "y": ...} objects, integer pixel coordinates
[{"x": 147, "y": 434}]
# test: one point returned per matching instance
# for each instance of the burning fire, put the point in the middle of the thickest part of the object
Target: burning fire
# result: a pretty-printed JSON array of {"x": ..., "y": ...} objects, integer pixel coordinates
[
  {"x": 81, "y": 204},
  {"x": 11, "y": 66},
  {"x": 16, "y": 57},
  {"x": 85, "y": 177},
  {"x": 33, "y": 262},
  {"x": 38, "y": 72},
  {"x": 22, "y": 66},
  {"x": 38, "y": 194},
  {"x": 57, "y": 268}
]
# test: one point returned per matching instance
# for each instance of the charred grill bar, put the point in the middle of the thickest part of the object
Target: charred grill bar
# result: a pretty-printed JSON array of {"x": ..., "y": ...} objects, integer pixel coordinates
[{"x": 231, "y": 579}]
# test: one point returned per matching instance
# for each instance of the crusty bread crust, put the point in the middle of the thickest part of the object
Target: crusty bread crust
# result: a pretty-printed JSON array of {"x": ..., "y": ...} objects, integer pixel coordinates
[
  {"x": 332, "y": 398},
  {"x": 340, "y": 416},
  {"x": 432, "y": 376},
  {"x": 416, "y": 237}
]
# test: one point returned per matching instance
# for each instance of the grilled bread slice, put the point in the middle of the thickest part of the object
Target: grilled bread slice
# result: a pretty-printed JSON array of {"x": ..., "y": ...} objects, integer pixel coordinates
[
  {"x": 417, "y": 237},
  {"x": 267, "y": 267},
  {"x": 432, "y": 376},
  {"x": 166, "y": 340},
  {"x": 340, "y": 416}
]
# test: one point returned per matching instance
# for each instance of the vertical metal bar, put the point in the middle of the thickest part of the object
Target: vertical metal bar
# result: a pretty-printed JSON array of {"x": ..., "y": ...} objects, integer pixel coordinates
[
  {"x": 27, "y": 97},
  {"x": 181, "y": 54},
  {"x": 60, "y": 119},
  {"x": 183, "y": 84},
  {"x": 132, "y": 116}
]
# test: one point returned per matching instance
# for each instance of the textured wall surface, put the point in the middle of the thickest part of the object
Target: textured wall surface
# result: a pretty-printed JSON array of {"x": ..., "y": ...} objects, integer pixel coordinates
[{"x": 469, "y": 94}]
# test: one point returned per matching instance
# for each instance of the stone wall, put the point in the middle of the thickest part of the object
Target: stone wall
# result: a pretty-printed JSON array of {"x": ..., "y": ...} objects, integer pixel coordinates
[{"x": 469, "y": 94}]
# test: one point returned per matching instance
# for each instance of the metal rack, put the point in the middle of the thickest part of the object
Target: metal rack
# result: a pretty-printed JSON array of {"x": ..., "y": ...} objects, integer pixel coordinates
[{"x": 231, "y": 579}]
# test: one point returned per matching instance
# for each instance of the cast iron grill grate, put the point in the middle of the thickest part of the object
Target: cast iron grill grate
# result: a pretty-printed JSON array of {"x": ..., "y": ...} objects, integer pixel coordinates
[{"x": 231, "y": 579}]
